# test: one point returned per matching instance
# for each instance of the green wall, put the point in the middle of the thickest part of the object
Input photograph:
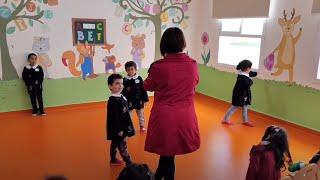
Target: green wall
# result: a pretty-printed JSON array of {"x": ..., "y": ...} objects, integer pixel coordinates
[
  {"x": 58, "y": 92},
  {"x": 296, "y": 104}
]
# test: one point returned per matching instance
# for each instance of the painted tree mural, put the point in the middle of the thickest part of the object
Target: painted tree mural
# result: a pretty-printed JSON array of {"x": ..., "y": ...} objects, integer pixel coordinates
[
  {"x": 161, "y": 13},
  {"x": 13, "y": 17}
]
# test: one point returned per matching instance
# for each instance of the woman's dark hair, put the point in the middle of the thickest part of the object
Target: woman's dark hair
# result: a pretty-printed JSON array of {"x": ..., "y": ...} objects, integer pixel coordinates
[
  {"x": 244, "y": 65},
  {"x": 136, "y": 172},
  {"x": 172, "y": 41},
  {"x": 113, "y": 77},
  {"x": 31, "y": 54},
  {"x": 269, "y": 131},
  {"x": 278, "y": 143},
  {"x": 130, "y": 64}
]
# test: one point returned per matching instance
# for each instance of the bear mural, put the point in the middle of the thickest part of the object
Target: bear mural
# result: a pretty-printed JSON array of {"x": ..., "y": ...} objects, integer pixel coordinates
[
  {"x": 137, "y": 52},
  {"x": 110, "y": 60}
]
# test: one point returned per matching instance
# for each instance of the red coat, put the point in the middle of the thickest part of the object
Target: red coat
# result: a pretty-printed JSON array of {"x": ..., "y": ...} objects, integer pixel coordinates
[
  {"x": 173, "y": 126},
  {"x": 262, "y": 165}
]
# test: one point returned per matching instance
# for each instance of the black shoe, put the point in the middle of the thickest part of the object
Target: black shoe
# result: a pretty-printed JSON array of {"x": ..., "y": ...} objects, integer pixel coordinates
[
  {"x": 43, "y": 113},
  {"x": 34, "y": 113}
]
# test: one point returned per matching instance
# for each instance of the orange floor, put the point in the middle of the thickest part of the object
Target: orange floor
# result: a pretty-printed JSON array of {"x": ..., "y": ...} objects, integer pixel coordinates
[{"x": 70, "y": 141}]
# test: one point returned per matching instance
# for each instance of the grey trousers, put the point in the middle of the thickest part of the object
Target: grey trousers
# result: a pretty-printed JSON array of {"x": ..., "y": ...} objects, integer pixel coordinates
[
  {"x": 140, "y": 114},
  {"x": 233, "y": 109}
]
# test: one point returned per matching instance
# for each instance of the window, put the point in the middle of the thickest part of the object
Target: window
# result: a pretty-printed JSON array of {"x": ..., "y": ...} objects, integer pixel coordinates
[
  {"x": 231, "y": 25},
  {"x": 240, "y": 39}
]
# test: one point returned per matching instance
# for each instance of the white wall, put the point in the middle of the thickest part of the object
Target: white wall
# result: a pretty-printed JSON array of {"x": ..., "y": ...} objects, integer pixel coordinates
[
  {"x": 60, "y": 34},
  {"x": 307, "y": 49}
]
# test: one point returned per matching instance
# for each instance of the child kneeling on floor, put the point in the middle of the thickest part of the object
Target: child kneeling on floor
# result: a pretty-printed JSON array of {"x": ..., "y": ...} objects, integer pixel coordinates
[{"x": 269, "y": 157}]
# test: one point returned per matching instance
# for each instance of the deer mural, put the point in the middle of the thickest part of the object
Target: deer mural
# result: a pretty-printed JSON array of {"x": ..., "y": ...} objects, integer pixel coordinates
[{"x": 286, "y": 48}]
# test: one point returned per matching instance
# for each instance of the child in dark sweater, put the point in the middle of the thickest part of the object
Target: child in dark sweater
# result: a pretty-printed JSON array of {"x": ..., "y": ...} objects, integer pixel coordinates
[
  {"x": 119, "y": 124},
  {"x": 241, "y": 96},
  {"x": 135, "y": 93},
  {"x": 33, "y": 77}
]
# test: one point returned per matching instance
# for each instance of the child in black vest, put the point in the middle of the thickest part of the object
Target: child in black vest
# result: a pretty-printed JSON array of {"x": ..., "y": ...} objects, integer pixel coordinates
[
  {"x": 135, "y": 93},
  {"x": 119, "y": 124},
  {"x": 241, "y": 96},
  {"x": 33, "y": 77}
]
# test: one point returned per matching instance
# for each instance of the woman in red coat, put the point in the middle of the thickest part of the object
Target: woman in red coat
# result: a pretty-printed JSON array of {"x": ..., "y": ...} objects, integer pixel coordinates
[
  {"x": 173, "y": 127},
  {"x": 268, "y": 158}
]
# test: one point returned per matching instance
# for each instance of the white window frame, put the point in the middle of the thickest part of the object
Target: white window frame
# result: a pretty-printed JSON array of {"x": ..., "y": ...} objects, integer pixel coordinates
[
  {"x": 318, "y": 69},
  {"x": 230, "y": 67},
  {"x": 315, "y": 79}
]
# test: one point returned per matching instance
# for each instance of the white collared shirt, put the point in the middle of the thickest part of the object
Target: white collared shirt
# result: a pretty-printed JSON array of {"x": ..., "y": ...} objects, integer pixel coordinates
[
  {"x": 244, "y": 73},
  {"x": 119, "y": 95},
  {"x": 33, "y": 67},
  {"x": 133, "y": 77}
]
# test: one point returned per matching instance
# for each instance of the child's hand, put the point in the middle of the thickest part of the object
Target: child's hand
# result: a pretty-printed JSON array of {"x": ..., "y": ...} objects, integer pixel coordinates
[{"x": 120, "y": 133}]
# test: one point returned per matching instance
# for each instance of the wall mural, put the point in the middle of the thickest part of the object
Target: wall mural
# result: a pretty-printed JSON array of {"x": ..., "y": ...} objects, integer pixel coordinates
[
  {"x": 206, "y": 52},
  {"x": 41, "y": 46},
  {"x": 87, "y": 34},
  {"x": 139, "y": 13},
  {"x": 286, "y": 49},
  {"x": 19, "y": 15},
  {"x": 110, "y": 59},
  {"x": 269, "y": 62},
  {"x": 85, "y": 61},
  {"x": 137, "y": 52}
]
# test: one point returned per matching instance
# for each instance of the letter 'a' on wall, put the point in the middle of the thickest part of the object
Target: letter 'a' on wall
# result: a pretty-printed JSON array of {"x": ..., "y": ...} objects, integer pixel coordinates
[
  {"x": 226, "y": 9},
  {"x": 316, "y": 6},
  {"x": 90, "y": 31}
]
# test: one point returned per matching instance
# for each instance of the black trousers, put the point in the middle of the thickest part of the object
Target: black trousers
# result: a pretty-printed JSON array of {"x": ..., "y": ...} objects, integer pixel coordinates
[
  {"x": 166, "y": 168},
  {"x": 120, "y": 144},
  {"x": 35, "y": 93}
]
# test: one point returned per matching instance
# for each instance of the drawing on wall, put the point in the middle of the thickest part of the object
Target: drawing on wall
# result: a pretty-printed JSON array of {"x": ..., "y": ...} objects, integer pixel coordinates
[
  {"x": 41, "y": 46},
  {"x": 87, "y": 34},
  {"x": 269, "y": 62},
  {"x": 206, "y": 52},
  {"x": 139, "y": 13},
  {"x": 286, "y": 49},
  {"x": 90, "y": 31},
  {"x": 85, "y": 61},
  {"x": 110, "y": 59},
  {"x": 137, "y": 52},
  {"x": 23, "y": 14}
]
